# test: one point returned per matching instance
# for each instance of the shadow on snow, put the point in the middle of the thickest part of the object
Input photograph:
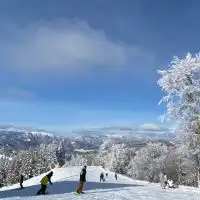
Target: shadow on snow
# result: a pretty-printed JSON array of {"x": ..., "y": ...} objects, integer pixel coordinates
[{"x": 61, "y": 188}]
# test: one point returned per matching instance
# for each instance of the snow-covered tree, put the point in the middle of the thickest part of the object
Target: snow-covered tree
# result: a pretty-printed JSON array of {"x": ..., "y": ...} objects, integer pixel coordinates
[
  {"x": 3, "y": 171},
  {"x": 148, "y": 162},
  {"x": 76, "y": 160},
  {"x": 60, "y": 154},
  {"x": 116, "y": 158},
  {"x": 46, "y": 159},
  {"x": 108, "y": 143},
  {"x": 177, "y": 165},
  {"x": 29, "y": 163},
  {"x": 192, "y": 142},
  {"x": 181, "y": 82}
]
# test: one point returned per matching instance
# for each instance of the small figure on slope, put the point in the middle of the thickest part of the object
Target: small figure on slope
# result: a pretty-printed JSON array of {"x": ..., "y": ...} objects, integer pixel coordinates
[
  {"x": 106, "y": 175},
  {"x": 171, "y": 184},
  {"x": 165, "y": 181},
  {"x": 44, "y": 183},
  {"x": 161, "y": 177},
  {"x": 116, "y": 176},
  {"x": 102, "y": 177},
  {"x": 82, "y": 180},
  {"x": 21, "y": 181}
]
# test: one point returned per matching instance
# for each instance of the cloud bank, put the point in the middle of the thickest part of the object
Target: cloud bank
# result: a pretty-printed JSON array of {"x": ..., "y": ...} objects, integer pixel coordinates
[{"x": 68, "y": 45}]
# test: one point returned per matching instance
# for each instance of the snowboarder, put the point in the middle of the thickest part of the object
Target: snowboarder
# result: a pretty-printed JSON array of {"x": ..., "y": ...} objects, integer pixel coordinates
[
  {"x": 21, "y": 181},
  {"x": 161, "y": 176},
  {"x": 44, "y": 183},
  {"x": 116, "y": 176},
  {"x": 102, "y": 177},
  {"x": 82, "y": 180}
]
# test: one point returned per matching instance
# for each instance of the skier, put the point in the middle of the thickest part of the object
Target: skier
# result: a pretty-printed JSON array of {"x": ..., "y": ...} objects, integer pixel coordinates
[
  {"x": 82, "y": 180},
  {"x": 102, "y": 177},
  {"x": 44, "y": 183},
  {"x": 21, "y": 181},
  {"x": 161, "y": 176},
  {"x": 106, "y": 175},
  {"x": 116, "y": 176}
]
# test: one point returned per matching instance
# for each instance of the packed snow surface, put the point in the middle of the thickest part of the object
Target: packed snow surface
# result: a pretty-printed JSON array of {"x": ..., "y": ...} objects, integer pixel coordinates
[{"x": 65, "y": 181}]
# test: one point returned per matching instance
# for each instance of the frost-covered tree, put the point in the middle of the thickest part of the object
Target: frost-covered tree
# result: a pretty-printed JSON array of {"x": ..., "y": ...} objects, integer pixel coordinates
[
  {"x": 116, "y": 158},
  {"x": 108, "y": 143},
  {"x": 76, "y": 160},
  {"x": 46, "y": 158},
  {"x": 192, "y": 142},
  {"x": 148, "y": 162},
  {"x": 181, "y": 82},
  {"x": 178, "y": 165},
  {"x": 60, "y": 154},
  {"x": 29, "y": 163},
  {"x": 4, "y": 162}
]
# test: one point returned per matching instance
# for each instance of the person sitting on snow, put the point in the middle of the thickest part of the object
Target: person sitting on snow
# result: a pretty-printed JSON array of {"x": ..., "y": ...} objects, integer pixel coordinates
[
  {"x": 171, "y": 184},
  {"x": 44, "y": 183}
]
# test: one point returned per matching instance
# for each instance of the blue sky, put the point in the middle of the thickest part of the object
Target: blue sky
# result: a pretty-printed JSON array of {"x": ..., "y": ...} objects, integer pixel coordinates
[{"x": 91, "y": 63}]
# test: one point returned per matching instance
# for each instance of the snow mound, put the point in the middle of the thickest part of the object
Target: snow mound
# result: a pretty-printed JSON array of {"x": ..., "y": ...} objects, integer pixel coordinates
[{"x": 65, "y": 181}]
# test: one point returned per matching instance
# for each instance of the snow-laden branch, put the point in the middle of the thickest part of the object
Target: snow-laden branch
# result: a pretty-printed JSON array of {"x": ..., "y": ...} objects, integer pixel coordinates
[{"x": 181, "y": 83}]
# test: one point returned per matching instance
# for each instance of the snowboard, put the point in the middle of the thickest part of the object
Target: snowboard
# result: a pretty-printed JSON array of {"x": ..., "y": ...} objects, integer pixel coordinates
[
  {"x": 76, "y": 193},
  {"x": 43, "y": 194},
  {"x": 20, "y": 188}
]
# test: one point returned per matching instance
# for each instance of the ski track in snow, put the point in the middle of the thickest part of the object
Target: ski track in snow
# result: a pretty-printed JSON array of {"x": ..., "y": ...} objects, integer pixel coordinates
[{"x": 65, "y": 182}]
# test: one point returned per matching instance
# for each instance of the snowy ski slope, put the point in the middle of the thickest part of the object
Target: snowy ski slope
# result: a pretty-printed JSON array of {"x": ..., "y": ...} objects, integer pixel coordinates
[{"x": 65, "y": 183}]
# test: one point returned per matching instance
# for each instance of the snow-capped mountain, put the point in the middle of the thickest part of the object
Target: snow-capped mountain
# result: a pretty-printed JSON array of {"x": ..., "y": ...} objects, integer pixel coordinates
[
  {"x": 15, "y": 139},
  {"x": 145, "y": 132},
  {"x": 20, "y": 138},
  {"x": 27, "y": 130}
]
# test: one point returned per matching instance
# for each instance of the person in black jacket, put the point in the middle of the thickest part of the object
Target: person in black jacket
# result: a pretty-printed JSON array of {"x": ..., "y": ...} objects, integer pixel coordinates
[
  {"x": 116, "y": 176},
  {"x": 21, "y": 181},
  {"x": 102, "y": 177},
  {"x": 82, "y": 180}
]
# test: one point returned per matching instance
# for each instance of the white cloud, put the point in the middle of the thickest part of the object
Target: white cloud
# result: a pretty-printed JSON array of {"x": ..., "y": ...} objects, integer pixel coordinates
[
  {"x": 149, "y": 127},
  {"x": 71, "y": 45}
]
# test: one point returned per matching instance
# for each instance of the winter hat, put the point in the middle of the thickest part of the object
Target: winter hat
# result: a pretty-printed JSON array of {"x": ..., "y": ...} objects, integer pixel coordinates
[{"x": 51, "y": 173}]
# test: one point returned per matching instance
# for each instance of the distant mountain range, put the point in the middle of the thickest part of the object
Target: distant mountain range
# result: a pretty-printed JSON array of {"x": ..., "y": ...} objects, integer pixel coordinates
[
  {"x": 21, "y": 138},
  {"x": 144, "y": 133}
]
